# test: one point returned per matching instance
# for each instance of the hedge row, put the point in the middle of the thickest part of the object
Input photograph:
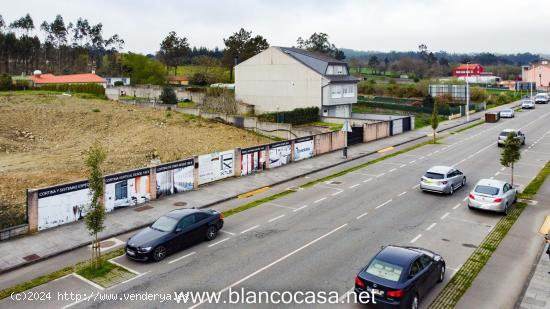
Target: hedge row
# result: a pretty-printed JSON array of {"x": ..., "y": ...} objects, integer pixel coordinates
[
  {"x": 80, "y": 88},
  {"x": 295, "y": 116}
]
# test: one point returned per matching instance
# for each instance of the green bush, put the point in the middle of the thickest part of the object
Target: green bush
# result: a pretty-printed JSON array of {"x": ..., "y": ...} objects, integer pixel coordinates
[
  {"x": 168, "y": 96},
  {"x": 90, "y": 88},
  {"x": 5, "y": 83},
  {"x": 118, "y": 83},
  {"x": 295, "y": 116}
]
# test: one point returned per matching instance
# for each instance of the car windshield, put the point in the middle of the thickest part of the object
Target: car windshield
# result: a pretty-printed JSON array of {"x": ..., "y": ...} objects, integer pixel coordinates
[
  {"x": 486, "y": 190},
  {"x": 164, "y": 224},
  {"x": 385, "y": 270},
  {"x": 505, "y": 133},
  {"x": 507, "y": 110},
  {"x": 434, "y": 175}
]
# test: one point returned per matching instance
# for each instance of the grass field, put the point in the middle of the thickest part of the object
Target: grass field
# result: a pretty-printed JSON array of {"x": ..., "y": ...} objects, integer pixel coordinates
[
  {"x": 43, "y": 138},
  {"x": 190, "y": 70}
]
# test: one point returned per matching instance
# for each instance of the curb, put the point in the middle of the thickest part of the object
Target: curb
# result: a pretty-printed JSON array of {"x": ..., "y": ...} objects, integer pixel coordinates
[{"x": 49, "y": 256}]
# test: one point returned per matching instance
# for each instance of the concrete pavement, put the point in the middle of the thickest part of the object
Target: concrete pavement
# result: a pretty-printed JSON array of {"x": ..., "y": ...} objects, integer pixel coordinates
[{"x": 318, "y": 238}]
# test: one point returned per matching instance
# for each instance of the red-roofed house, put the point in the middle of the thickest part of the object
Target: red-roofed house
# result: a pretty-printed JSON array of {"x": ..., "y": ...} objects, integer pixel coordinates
[
  {"x": 39, "y": 79},
  {"x": 470, "y": 69}
]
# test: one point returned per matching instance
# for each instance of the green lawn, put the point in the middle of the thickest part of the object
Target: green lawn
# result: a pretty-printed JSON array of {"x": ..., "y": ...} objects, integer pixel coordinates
[{"x": 331, "y": 126}]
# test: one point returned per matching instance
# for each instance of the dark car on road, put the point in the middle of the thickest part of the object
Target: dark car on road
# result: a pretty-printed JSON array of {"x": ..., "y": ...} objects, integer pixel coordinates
[
  {"x": 398, "y": 277},
  {"x": 172, "y": 232}
]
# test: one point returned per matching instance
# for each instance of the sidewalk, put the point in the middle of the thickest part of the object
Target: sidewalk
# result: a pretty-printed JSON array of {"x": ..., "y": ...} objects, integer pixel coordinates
[
  {"x": 25, "y": 250},
  {"x": 502, "y": 281}
]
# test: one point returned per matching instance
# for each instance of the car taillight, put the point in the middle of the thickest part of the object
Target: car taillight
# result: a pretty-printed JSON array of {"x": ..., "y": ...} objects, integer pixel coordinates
[
  {"x": 498, "y": 200},
  {"x": 396, "y": 294},
  {"x": 221, "y": 216},
  {"x": 359, "y": 282},
  {"x": 472, "y": 196}
]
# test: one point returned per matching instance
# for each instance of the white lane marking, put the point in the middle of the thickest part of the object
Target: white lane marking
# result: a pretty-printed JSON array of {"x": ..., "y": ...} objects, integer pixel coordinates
[
  {"x": 415, "y": 186},
  {"x": 276, "y": 218},
  {"x": 226, "y": 232},
  {"x": 436, "y": 151},
  {"x": 299, "y": 208},
  {"x": 383, "y": 204},
  {"x": 402, "y": 193},
  {"x": 502, "y": 169},
  {"x": 422, "y": 157},
  {"x": 320, "y": 200},
  {"x": 464, "y": 199},
  {"x": 431, "y": 226},
  {"x": 274, "y": 262},
  {"x": 380, "y": 175},
  {"x": 336, "y": 193},
  {"x": 219, "y": 242},
  {"x": 412, "y": 161},
  {"x": 367, "y": 180},
  {"x": 278, "y": 205},
  {"x": 355, "y": 185},
  {"x": 125, "y": 267},
  {"x": 255, "y": 227},
  {"x": 95, "y": 285},
  {"x": 345, "y": 295},
  {"x": 182, "y": 257},
  {"x": 497, "y": 173},
  {"x": 392, "y": 170},
  {"x": 361, "y": 215},
  {"x": 416, "y": 238},
  {"x": 429, "y": 154},
  {"x": 445, "y": 215},
  {"x": 456, "y": 206}
]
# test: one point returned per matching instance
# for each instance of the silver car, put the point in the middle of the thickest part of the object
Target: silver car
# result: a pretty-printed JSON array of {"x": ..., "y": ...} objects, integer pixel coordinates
[
  {"x": 504, "y": 135},
  {"x": 493, "y": 195},
  {"x": 528, "y": 104},
  {"x": 507, "y": 113},
  {"x": 442, "y": 179}
]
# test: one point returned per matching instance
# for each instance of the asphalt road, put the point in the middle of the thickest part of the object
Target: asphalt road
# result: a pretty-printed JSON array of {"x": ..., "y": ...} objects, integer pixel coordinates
[{"x": 318, "y": 238}]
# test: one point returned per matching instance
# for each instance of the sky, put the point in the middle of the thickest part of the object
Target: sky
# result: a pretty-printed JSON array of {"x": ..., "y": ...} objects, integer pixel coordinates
[{"x": 498, "y": 26}]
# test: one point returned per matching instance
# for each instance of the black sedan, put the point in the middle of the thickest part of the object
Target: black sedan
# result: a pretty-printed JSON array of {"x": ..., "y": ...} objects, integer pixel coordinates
[
  {"x": 172, "y": 232},
  {"x": 398, "y": 277}
]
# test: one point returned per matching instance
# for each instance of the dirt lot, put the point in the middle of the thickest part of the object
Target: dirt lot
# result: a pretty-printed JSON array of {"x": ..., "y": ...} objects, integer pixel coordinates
[{"x": 43, "y": 138}]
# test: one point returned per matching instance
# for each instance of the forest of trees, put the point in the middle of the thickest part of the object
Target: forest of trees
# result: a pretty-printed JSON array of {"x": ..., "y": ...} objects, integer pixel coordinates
[{"x": 61, "y": 48}]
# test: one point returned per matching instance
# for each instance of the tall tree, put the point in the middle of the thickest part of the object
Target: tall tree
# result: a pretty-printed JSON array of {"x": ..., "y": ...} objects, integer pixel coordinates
[
  {"x": 434, "y": 120},
  {"x": 2, "y": 23},
  {"x": 24, "y": 23},
  {"x": 241, "y": 46},
  {"x": 319, "y": 42},
  {"x": 173, "y": 50},
  {"x": 511, "y": 154},
  {"x": 373, "y": 63},
  {"x": 95, "y": 217}
]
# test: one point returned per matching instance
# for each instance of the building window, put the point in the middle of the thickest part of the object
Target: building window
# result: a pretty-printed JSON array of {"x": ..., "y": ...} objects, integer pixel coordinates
[
  {"x": 121, "y": 190},
  {"x": 349, "y": 91},
  {"x": 336, "y": 92},
  {"x": 336, "y": 70}
]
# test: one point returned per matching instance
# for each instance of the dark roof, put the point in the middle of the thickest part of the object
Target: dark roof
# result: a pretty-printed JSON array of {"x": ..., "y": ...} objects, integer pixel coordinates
[
  {"x": 318, "y": 62},
  {"x": 180, "y": 213},
  {"x": 398, "y": 255}
]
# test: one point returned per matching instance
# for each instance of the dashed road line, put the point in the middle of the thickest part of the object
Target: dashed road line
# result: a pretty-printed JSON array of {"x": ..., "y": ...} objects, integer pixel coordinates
[
  {"x": 275, "y": 219},
  {"x": 355, "y": 185},
  {"x": 182, "y": 257},
  {"x": 336, "y": 193},
  {"x": 226, "y": 232},
  {"x": 256, "y": 226},
  {"x": 431, "y": 226},
  {"x": 278, "y": 205},
  {"x": 392, "y": 170},
  {"x": 299, "y": 208},
  {"x": 219, "y": 242},
  {"x": 402, "y": 165},
  {"x": 383, "y": 204},
  {"x": 464, "y": 199},
  {"x": 361, "y": 216},
  {"x": 415, "y": 186},
  {"x": 402, "y": 193},
  {"x": 412, "y": 161},
  {"x": 416, "y": 238},
  {"x": 367, "y": 180},
  {"x": 445, "y": 215},
  {"x": 319, "y": 200},
  {"x": 380, "y": 175},
  {"x": 456, "y": 206}
]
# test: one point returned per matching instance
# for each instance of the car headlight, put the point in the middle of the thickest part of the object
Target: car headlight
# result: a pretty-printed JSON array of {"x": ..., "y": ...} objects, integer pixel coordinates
[{"x": 145, "y": 249}]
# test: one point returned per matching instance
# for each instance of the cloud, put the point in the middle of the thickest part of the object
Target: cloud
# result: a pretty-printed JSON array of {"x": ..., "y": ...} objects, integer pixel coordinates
[{"x": 456, "y": 26}]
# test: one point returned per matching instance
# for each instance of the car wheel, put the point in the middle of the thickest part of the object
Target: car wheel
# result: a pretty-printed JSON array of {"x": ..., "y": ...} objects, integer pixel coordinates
[
  {"x": 451, "y": 190},
  {"x": 211, "y": 233},
  {"x": 463, "y": 181},
  {"x": 498, "y": 145},
  {"x": 505, "y": 212},
  {"x": 415, "y": 302},
  {"x": 159, "y": 253},
  {"x": 441, "y": 274},
  {"x": 515, "y": 198}
]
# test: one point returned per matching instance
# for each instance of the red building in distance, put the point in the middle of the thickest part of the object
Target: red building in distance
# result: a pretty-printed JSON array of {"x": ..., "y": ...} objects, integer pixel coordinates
[{"x": 471, "y": 69}]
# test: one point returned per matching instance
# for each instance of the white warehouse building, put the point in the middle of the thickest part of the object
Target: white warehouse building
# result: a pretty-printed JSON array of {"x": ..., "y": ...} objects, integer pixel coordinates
[{"x": 282, "y": 79}]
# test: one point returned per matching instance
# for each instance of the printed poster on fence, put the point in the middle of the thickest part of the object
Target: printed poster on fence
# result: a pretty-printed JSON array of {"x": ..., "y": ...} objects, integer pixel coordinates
[
  {"x": 303, "y": 148},
  {"x": 279, "y": 154},
  {"x": 216, "y": 165},
  {"x": 174, "y": 177},
  {"x": 127, "y": 189},
  {"x": 253, "y": 159}
]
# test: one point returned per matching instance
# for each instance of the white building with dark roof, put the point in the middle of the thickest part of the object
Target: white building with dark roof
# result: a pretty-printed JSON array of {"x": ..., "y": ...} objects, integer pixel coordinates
[{"x": 282, "y": 79}]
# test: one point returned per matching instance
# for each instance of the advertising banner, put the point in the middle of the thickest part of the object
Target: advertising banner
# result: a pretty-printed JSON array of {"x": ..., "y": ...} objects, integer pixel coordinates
[
  {"x": 279, "y": 154},
  {"x": 216, "y": 165},
  {"x": 303, "y": 148},
  {"x": 174, "y": 177},
  {"x": 127, "y": 189},
  {"x": 63, "y": 204},
  {"x": 253, "y": 159}
]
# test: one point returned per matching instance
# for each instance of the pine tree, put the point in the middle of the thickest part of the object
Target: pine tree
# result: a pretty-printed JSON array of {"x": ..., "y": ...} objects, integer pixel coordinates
[{"x": 511, "y": 154}]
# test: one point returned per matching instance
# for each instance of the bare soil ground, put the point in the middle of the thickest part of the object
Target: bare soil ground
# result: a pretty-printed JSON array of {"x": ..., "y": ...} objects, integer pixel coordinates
[{"x": 43, "y": 140}]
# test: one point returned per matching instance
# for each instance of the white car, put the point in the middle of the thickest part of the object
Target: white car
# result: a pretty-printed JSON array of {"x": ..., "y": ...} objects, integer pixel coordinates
[
  {"x": 541, "y": 98},
  {"x": 507, "y": 113},
  {"x": 528, "y": 104},
  {"x": 492, "y": 195}
]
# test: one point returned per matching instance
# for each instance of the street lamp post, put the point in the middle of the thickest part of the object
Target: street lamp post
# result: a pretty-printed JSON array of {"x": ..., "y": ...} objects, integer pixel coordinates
[{"x": 467, "y": 92}]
